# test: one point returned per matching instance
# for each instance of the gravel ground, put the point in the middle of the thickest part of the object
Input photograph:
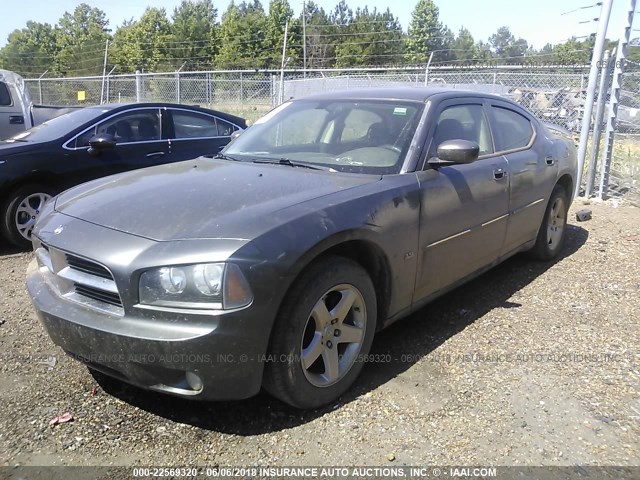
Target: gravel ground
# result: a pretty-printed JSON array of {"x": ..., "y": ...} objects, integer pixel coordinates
[{"x": 531, "y": 364}]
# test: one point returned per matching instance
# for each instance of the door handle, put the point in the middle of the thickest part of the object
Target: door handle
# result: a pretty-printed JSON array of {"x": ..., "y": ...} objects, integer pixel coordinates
[
  {"x": 155, "y": 154},
  {"x": 499, "y": 173},
  {"x": 16, "y": 120},
  {"x": 549, "y": 160}
]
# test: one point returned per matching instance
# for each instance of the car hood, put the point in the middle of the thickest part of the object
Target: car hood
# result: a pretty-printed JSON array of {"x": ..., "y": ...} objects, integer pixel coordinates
[{"x": 201, "y": 198}]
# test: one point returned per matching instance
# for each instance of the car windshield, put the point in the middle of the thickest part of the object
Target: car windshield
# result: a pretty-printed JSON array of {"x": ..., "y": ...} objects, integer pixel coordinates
[
  {"x": 57, "y": 127},
  {"x": 358, "y": 136}
]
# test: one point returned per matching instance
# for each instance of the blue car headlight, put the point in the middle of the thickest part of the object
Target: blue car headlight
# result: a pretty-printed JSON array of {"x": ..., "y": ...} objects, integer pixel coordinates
[{"x": 201, "y": 286}]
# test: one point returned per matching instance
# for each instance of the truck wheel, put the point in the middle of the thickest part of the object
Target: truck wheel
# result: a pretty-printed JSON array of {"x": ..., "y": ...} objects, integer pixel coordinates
[
  {"x": 21, "y": 211},
  {"x": 325, "y": 326},
  {"x": 552, "y": 231}
]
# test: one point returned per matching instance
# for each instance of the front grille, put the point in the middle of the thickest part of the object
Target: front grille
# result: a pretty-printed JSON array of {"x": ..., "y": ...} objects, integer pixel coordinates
[
  {"x": 88, "y": 266},
  {"x": 79, "y": 279},
  {"x": 97, "y": 294}
]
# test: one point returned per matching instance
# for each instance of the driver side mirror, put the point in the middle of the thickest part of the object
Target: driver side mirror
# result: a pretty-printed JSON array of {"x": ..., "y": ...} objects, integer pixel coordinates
[
  {"x": 452, "y": 152},
  {"x": 100, "y": 142}
]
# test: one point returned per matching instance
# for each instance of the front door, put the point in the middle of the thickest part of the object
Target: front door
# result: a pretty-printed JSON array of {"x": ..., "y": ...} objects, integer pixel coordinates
[
  {"x": 464, "y": 207},
  {"x": 139, "y": 144}
]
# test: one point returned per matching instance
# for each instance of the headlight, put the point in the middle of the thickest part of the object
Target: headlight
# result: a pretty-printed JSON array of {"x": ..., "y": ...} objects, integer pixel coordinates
[{"x": 204, "y": 285}]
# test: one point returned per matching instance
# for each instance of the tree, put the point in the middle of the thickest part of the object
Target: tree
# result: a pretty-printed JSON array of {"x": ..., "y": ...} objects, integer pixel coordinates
[
  {"x": 242, "y": 30},
  {"x": 320, "y": 47},
  {"x": 573, "y": 52},
  {"x": 144, "y": 44},
  {"x": 81, "y": 39},
  {"x": 280, "y": 12},
  {"x": 372, "y": 38},
  {"x": 31, "y": 50},
  {"x": 505, "y": 46},
  {"x": 466, "y": 49},
  {"x": 425, "y": 33},
  {"x": 194, "y": 38}
]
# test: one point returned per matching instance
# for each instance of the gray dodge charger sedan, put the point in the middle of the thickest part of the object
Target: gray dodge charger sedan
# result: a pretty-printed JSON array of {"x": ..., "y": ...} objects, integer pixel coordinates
[{"x": 274, "y": 264}]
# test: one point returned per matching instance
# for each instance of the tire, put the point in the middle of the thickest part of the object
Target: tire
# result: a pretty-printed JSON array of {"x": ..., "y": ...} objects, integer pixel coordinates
[
  {"x": 20, "y": 212},
  {"x": 553, "y": 229},
  {"x": 316, "y": 348}
]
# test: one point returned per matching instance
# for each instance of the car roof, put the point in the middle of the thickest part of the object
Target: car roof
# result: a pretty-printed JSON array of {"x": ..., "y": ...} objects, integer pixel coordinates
[
  {"x": 123, "y": 106},
  {"x": 415, "y": 94}
]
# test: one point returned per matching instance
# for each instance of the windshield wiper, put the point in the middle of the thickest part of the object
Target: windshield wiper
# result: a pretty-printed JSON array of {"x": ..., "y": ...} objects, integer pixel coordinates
[
  {"x": 225, "y": 157},
  {"x": 292, "y": 163}
]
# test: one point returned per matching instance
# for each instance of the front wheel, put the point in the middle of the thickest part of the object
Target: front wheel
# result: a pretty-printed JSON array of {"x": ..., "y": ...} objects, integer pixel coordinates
[
  {"x": 21, "y": 212},
  {"x": 325, "y": 327},
  {"x": 553, "y": 229}
]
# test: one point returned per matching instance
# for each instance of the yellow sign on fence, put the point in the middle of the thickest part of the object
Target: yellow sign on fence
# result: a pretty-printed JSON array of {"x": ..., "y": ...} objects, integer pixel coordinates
[{"x": 82, "y": 95}]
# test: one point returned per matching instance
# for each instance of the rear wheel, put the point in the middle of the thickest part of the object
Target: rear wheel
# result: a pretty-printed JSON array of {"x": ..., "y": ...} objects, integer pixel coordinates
[
  {"x": 325, "y": 326},
  {"x": 552, "y": 232},
  {"x": 21, "y": 211}
]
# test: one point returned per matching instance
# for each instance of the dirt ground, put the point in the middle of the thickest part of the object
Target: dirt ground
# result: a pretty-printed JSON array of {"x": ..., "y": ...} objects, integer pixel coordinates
[{"x": 530, "y": 364}]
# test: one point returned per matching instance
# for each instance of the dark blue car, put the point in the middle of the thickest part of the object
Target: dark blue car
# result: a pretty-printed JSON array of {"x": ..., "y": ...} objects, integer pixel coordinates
[{"x": 94, "y": 142}]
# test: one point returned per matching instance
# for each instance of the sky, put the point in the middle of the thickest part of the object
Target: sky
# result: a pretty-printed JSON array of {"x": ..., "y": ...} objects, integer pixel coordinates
[{"x": 537, "y": 21}]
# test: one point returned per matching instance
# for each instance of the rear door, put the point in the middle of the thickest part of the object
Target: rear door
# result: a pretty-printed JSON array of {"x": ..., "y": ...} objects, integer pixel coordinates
[
  {"x": 532, "y": 170},
  {"x": 194, "y": 134},
  {"x": 464, "y": 208},
  {"x": 140, "y": 143}
]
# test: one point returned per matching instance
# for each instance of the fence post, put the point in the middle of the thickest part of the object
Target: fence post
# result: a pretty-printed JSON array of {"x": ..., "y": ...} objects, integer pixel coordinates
[
  {"x": 616, "y": 86},
  {"x": 597, "y": 127},
  {"x": 603, "y": 22},
  {"x": 241, "y": 88},
  {"x": 178, "y": 86},
  {"x": 138, "y": 87}
]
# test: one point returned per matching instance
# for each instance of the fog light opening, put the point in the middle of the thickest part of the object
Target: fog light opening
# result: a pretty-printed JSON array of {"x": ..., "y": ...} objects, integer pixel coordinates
[{"x": 194, "y": 381}]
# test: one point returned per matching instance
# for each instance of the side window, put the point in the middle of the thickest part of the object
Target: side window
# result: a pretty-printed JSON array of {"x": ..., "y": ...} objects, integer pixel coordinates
[
  {"x": 358, "y": 124},
  {"x": 198, "y": 125},
  {"x": 513, "y": 130},
  {"x": 135, "y": 126},
  {"x": 463, "y": 122},
  {"x": 5, "y": 96},
  {"x": 225, "y": 129}
]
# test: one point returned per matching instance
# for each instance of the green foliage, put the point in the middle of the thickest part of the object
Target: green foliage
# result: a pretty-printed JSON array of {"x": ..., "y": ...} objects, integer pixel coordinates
[
  {"x": 426, "y": 33},
  {"x": 249, "y": 37},
  {"x": 143, "y": 44},
  {"x": 372, "y": 38},
  {"x": 195, "y": 34},
  {"x": 29, "y": 51},
  {"x": 80, "y": 38},
  {"x": 242, "y": 31},
  {"x": 506, "y": 46}
]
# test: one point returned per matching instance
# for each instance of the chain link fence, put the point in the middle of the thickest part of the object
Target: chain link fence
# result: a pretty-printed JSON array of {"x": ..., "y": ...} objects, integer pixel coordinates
[{"x": 554, "y": 97}]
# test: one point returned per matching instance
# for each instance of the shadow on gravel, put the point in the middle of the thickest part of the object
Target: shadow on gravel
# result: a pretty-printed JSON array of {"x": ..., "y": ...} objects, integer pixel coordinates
[
  {"x": 7, "y": 249},
  {"x": 416, "y": 336}
]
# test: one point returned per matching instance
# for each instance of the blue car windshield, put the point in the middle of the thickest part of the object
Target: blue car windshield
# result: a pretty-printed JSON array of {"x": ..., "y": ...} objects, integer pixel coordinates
[
  {"x": 58, "y": 127},
  {"x": 348, "y": 135}
]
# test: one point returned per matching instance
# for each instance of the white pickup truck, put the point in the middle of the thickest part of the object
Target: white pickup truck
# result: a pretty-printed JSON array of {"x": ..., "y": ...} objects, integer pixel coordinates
[
  {"x": 17, "y": 111},
  {"x": 15, "y": 105}
]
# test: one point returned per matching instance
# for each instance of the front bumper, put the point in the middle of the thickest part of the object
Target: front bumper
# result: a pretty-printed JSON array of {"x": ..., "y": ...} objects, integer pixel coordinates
[{"x": 215, "y": 358}]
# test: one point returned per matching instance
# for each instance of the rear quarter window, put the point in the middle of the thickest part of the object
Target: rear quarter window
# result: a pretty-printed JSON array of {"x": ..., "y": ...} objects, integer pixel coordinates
[
  {"x": 5, "y": 96},
  {"x": 514, "y": 131}
]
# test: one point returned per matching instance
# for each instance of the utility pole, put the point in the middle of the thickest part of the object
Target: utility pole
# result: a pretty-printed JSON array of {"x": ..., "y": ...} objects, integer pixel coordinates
[
  {"x": 601, "y": 34},
  {"x": 605, "y": 74},
  {"x": 304, "y": 39},
  {"x": 284, "y": 61},
  {"x": 616, "y": 85},
  {"x": 104, "y": 71}
]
